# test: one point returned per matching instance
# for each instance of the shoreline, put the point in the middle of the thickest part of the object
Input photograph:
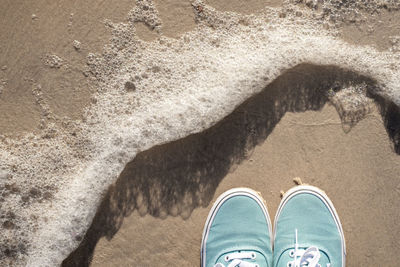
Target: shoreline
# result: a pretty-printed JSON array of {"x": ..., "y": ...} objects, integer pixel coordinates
[{"x": 94, "y": 112}]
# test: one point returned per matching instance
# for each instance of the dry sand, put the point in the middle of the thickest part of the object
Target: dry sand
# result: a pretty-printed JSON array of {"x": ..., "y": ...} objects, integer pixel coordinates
[
  {"x": 153, "y": 215},
  {"x": 358, "y": 170}
]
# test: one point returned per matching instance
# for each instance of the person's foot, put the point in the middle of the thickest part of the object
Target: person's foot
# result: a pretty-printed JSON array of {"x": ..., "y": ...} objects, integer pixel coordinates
[
  {"x": 307, "y": 230},
  {"x": 237, "y": 231}
]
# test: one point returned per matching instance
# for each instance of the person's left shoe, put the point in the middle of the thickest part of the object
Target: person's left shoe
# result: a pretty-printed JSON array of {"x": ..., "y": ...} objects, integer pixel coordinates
[{"x": 237, "y": 231}]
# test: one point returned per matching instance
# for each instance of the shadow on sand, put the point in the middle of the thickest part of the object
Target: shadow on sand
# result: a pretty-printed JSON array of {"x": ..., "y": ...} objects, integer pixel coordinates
[{"x": 175, "y": 178}]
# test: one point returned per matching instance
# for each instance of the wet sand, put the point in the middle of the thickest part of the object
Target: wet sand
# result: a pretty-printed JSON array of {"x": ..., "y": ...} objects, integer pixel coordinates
[
  {"x": 31, "y": 31},
  {"x": 358, "y": 170}
]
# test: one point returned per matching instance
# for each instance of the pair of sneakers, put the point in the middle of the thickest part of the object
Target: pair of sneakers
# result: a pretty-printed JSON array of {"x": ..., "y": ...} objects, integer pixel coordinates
[{"x": 307, "y": 231}]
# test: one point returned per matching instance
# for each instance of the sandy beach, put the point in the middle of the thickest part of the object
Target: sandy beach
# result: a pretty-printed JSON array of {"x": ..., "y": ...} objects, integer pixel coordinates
[
  {"x": 121, "y": 122},
  {"x": 310, "y": 145}
]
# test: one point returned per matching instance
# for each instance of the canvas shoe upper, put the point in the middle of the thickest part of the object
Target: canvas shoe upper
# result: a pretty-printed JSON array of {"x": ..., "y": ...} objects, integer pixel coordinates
[
  {"x": 307, "y": 230},
  {"x": 237, "y": 231}
]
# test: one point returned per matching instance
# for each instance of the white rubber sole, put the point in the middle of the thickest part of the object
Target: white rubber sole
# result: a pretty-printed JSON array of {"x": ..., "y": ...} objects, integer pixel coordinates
[
  {"x": 241, "y": 191},
  {"x": 321, "y": 195}
]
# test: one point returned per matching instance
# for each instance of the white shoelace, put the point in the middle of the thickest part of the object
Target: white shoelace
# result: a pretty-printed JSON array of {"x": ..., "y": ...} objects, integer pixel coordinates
[
  {"x": 237, "y": 259},
  {"x": 304, "y": 257}
]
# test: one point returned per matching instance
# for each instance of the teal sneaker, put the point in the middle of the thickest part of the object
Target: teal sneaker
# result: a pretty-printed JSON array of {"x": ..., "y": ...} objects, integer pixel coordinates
[
  {"x": 307, "y": 230},
  {"x": 237, "y": 231}
]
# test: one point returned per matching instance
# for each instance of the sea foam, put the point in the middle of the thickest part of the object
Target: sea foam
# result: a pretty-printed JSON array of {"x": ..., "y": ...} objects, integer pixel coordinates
[{"x": 151, "y": 94}]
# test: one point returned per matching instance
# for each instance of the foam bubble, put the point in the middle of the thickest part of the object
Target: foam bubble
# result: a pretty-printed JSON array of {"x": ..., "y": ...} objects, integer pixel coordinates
[{"x": 352, "y": 104}]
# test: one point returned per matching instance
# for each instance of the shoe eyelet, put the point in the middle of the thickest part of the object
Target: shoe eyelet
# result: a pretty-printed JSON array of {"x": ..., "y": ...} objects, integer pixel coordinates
[
  {"x": 291, "y": 253},
  {"x": 253, "y": 255},
  {"x": 226, "y": 258}
]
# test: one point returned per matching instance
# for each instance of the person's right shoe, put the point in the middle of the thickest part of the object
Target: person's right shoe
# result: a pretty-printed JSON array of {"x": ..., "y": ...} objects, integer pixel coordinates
[{"x": 307, "y": 230}]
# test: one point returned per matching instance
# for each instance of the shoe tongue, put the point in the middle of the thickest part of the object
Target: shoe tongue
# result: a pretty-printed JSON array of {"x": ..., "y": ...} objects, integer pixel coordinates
[
  {"x": 259, "y": 258},
  {"x": 284, "y": 258}
]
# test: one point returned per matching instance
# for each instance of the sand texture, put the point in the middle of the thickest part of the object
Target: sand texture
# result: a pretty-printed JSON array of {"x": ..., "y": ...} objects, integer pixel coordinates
[
  {"x": 310, "y": 145},
  {"x": 121, "y": 122}
]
